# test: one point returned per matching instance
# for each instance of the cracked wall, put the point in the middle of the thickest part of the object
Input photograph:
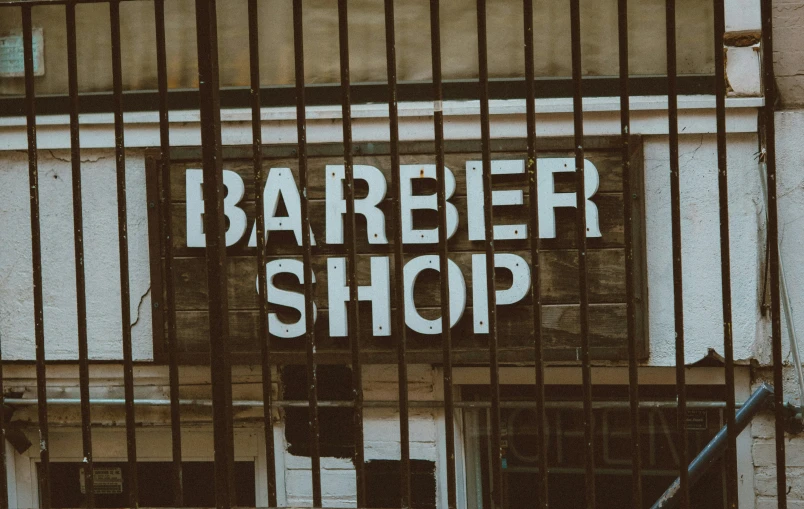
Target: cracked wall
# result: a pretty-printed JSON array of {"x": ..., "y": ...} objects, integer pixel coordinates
[{"x": 102, "y": 265}]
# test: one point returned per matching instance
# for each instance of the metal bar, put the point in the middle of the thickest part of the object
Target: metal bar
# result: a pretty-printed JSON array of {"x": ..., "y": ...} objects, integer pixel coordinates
[
  {"x": 725, "y": 255},
  {"x": 3, "y": 474},
  {"x": 491, "y": 280},
  {"x": 215, "y": 232},
  {"x": 398, "y": 295},
  {"x": 301, "y": 129},
  {"x": 675, "y": 212},
  {"x": 78, "y": 236},
  {"x": 769, "y": 89},
  {"x": 580, "y": 201},
  {"x": 167, "y": 244},
  {"x": 443, "y": 253},
  {"x": 122, "y": 229},
  {"x": 264, "y": 333},
  {"x": 717, "y": 446},
  {"x": 351, "y": 253},
  {"x": 36, "y": 262},
  {"x": 535, "y": 248},
  {"x": 574, "y": 405},
  {"x": 327, "y": 94},
  {"x": 628, "y": 200}
]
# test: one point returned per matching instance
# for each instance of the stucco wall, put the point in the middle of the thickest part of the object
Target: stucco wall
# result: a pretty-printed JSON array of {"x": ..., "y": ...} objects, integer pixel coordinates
[{"x": 790, "y": 160}]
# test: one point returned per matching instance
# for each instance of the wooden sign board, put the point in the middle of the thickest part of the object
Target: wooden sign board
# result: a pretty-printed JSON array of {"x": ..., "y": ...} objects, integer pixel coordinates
[{"x": 558, "y": 257}]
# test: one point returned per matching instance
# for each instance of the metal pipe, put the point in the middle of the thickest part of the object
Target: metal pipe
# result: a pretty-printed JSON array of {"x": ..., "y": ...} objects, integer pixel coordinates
[
  {"x": 774, "y": 260},
  {"x": 535, "y": 247},
  {"x": 577, "y": 405},
  {"x": 678, "y": 274},
  {"x": 214, "y": 231},
  {"x": 78, "y": 244},
  {"x": 716, "y": 447},
  {"x": 122, "y": 228},
  {"x": 629, "y": 199},
  {"x": 166, "y": 223},
  {"x": 36, "y": 261},
  {"x": 583, "y": 273}
]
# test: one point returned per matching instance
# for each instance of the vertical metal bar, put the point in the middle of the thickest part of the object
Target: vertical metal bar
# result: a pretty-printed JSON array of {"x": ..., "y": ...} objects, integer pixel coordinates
[
  {"x": 301, "y": 129},
  {"x": 215, "y": 232},
  {"x": 583, "y": 276},
  {"x": 36, "y": 261},
  {"x": 398, "y": 296},
  {"x": 122, "y": 229},
  {"x": 675, "y": 212},
  {"x": 535, "y": 248},
  {"x": 443, "y": 251},
  {"x": 491, "y": 286},
  {"x": 78, "y": 235},
  {"x": 769, "y": 89},
  {"x": 3, "y": 473},
  {"x": 628, "y": 200},
  {"x": 264, "y": 333},
  {"x": 725, "y": 256},
  {"x": 167, "y": 243},
  {"x": 351, "y": 252}
]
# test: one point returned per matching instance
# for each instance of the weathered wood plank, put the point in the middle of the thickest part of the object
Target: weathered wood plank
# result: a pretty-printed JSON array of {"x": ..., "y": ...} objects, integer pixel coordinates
[
  {"x": 561, "y": 332},
  {"x": 559, "y": 272}
]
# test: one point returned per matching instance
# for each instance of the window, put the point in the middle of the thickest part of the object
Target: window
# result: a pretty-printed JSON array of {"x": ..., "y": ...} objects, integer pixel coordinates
[{"x": 612, "y": 438}]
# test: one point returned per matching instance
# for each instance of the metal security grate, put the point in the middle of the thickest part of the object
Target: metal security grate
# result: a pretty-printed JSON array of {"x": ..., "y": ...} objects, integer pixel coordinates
[{"x": 209, "y": 104}]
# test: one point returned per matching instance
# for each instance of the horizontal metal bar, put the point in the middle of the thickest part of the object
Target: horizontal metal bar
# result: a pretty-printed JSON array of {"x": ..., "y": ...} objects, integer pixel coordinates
[
  {"x": 374, "y": 404},
  {"x": 362, "y": 93}
]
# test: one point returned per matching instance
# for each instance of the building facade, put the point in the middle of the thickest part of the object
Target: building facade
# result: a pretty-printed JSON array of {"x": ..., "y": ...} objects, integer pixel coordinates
[{"x": 628, "y": 255}]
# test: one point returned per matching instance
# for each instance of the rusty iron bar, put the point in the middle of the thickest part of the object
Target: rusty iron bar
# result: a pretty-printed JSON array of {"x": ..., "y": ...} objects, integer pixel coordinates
[
  {"x": 443, "y": 252},
  {"x": 732, "y": 499},
  {"x": 675, "y": 212},
  {"x": 264, "y": 334},
  {"x": 398, "y": 294},
  {"x": 80, "y": 276},
  {"x": 535, "y": 248},
  {"x": 351, "y": 253},
  {"x": 628, "y": 202},
  {"x": 583, "y": 276},
  {"x": 215, "y": 231},
  {"x": 576, "y": 405},
  {"x": 167, "y": 245},
  {"x": 36, "y": 262},
  {"x": 122, "y": 228},
  {"x": 3, "y": 479},
  {"x": 491, "y": 280},
  {"x": 768, "y": 111},
  {"x": 301, "y": 129}
]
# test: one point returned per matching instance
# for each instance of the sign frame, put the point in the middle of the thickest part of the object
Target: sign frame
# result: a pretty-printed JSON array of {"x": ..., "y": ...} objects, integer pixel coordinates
[{"x": 474, "y": 355}]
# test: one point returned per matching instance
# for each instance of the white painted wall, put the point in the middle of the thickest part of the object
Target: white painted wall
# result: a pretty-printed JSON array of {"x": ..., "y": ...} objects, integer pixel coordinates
[{"x": 699, "y": 202}]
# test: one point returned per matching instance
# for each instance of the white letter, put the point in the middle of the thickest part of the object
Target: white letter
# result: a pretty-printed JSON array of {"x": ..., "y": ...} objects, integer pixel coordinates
[
  {"x": 378, "y": 293},
  {"x": 480, "y": 296},
  {"x": 457, "y": 294},
  {"x": 549, "y": 200},
  {"x": 195, "y": 207},
  {"x": 476, "y": 220},
  {"x": 281, "y": 297},
  {"x": 336, "y": 204},
  {"x": 280, "y": 183},
  {"x": 411, "y": 202}
]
